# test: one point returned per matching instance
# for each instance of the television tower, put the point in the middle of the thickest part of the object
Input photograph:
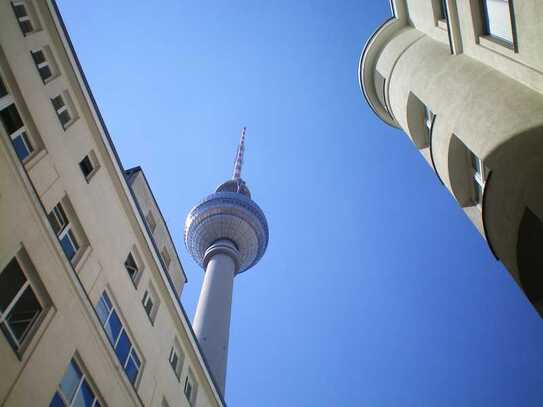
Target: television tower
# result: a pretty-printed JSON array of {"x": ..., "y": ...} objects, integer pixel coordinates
[{"x": 226, "y": 234}]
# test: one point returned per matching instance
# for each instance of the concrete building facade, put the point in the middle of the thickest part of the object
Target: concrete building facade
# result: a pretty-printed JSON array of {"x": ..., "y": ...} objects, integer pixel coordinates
[
  {"x": 464, "y": 80},
  {"x": 90, "y": 280}
]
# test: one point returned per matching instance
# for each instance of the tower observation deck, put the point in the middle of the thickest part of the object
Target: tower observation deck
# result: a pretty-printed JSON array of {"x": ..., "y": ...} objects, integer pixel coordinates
[{"x": 226, "y": 234}]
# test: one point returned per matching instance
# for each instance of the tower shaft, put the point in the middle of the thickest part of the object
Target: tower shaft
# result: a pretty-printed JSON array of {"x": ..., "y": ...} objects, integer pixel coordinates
[{"x": 212, "y": 319}]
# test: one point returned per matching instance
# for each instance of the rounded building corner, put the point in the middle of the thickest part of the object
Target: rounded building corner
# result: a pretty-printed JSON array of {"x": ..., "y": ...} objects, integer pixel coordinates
[{"x": 367, "y": 66}]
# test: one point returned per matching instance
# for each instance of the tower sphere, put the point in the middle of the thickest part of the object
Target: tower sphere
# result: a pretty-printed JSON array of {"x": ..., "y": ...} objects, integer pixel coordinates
[{"x": 229, "y": 214}]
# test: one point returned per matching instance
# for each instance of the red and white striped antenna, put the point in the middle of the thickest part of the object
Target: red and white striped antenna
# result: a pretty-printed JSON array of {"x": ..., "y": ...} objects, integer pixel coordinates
[{"x": 239, "y": 155}]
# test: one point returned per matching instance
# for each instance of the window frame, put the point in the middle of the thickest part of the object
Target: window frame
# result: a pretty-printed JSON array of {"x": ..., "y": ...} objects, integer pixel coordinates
[
  {"x": 45, "y": 64},
  {"x": 180, "y": 359},
  {"x": 166, "y": 258},
  {"x": 486, "y": 31},
  {"x": 151, "y": 221},
  {"x": 20, "y": 345},
  {"x": 65, "y": 230},
  {"x": 114, "y": 342},
  {"x": 151, "y": 296},
  {"x": 135, "y": 277},
  {"x": 7, "y": 102},
  {"x": 25, "y": 18},
  {"x": 192, "y": 386},
  {"x": 83, "y": 379},
  {"x": 479, "y": 177}
]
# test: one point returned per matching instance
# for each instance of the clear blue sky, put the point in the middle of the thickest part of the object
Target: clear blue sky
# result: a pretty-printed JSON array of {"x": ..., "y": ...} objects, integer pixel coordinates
[{"x": 375, "y": 290}]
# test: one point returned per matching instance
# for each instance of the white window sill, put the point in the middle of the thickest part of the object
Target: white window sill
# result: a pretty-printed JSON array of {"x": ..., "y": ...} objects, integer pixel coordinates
[
  {"x": 497, "y": 45},
  {"x": 34, "y": 158}
]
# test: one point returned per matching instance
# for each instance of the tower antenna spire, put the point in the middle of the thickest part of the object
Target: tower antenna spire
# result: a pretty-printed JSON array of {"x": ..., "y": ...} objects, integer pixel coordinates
[{"x": 239, "y": 155}]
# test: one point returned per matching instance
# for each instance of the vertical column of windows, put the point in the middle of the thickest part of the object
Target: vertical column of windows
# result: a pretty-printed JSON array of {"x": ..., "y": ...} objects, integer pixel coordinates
[
  {"x": 118, "y": 337},
  {"x": 23, "y": 17}
]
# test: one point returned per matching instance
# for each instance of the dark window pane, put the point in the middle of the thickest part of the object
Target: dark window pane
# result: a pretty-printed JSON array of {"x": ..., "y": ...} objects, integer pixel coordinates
[
  {"x": 10, "y": 119},
  {"x": 26, "y": 26},
  {"x": 131, "y": 266},
  {"x": 3, "y": 89},
  {"x": 64, "y": 118},
  {"x": 20, "y": 10},
  {"x": 86, "y": 166},
  {"x": 84, "y": 397},
  {"x": 123, "y": 347},
  {"x": 70, "y": 381},
  {"x": 173, "y": 361},
  {"x": 11, "y": 281},
  {"x": 57, "y": 401},
  {"x": 38, "y": 57},
  {"x": 45, "y": 72},
  {"x": 113, "y": 327},
  {"x": 57, "y": 102},
  {"x": 21, "y": 149},
  {"x": 23, "y": 314},
  {"x": 148, "y": 305},
  {"x": 68, "y": 247},
  {"x": 132, "y": 370}
]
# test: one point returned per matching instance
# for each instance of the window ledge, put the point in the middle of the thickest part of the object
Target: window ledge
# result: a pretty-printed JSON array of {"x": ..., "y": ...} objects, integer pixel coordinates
[
  {"x": 34, "y": 158},
  {"x": 51, "y": 79},
  {"x": 495, "y": 44},
  {"x": 81, "y": 257}
]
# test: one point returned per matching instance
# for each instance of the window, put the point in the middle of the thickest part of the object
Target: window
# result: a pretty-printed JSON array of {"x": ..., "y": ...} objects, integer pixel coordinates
[
  {"x": 150, "y": 219},
  {"x": 150, "y": 303},
  {"x": 19, "y": 305},
  {"x": 190, "y": 389},
  {"x": 86, "y": 166},
  {"x": 166, "y": 257},
  {"x": 62, "y": 228},
  {"x": 74, "y": 389},
  {"x": 119, "y": 339},
  {"x": 132, "y": 268},
  {"x": 428, "y": 121},
  {"x": 480, "y": 174},
  {"x": 176, "y": 359},
  {"x": 22, "y": 15},
  {"x": 44, "y": 69},
  {"x": 498, "y": 19},
  {"x": 63, "y": 112},
  {"x": 89, "y": 165},
  {"x": 13, "y": 124}
]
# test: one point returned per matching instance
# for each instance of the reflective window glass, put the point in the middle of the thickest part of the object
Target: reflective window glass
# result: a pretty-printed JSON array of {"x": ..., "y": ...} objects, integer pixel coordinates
[
  {"x": 113, "y": 327},
  {"x": 123, "y": 348},
  {"x": 70, "y": 381},
  {"x": 497, "y": 18}
]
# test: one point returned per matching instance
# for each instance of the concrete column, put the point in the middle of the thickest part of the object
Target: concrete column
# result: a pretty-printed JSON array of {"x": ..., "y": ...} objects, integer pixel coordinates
[{"x": 212, "y": 319}]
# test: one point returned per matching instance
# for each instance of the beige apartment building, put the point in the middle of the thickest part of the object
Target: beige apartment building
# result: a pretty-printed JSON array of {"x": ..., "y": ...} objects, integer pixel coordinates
[
  {"x": 90, "y": 280},
  {"x": 464, "y": 80}
]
